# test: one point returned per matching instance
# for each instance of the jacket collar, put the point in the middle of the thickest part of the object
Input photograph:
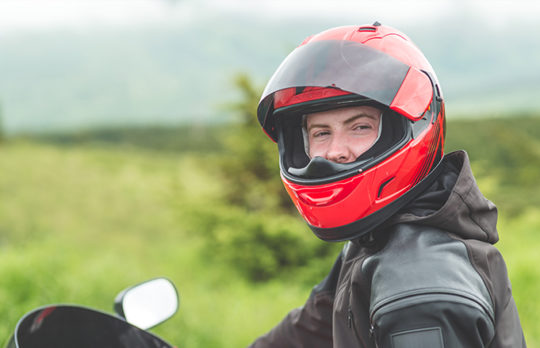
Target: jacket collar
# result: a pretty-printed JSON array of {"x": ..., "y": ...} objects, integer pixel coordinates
[{"x": 454, "y": 202}]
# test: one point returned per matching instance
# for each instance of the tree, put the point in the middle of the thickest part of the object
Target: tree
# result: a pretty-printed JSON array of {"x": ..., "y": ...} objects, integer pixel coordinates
[
  {"x": 258, "y": 231},
  {"x": 251, "y": 166}
]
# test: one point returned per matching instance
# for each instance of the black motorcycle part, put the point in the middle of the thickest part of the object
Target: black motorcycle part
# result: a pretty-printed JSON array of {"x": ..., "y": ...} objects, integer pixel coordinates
[{"x": 72, "y": 326}]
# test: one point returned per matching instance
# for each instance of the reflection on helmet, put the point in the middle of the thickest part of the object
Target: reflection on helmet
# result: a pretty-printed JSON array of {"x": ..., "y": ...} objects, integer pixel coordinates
[{"x": 351, "y": 66}]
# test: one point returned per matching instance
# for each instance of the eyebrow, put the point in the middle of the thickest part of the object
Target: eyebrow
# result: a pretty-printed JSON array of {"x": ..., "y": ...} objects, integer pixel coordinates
[{"x": 347, "y": 121}]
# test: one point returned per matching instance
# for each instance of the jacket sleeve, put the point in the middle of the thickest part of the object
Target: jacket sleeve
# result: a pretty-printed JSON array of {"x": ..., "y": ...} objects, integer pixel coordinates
[
  {"x": 435, "y": 322},
  {"x": 310, "y": 325},
  {"x": 426, "y": 293}
]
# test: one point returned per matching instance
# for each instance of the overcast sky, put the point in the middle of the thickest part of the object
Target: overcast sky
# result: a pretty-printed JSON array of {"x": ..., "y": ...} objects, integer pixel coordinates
[
  {"x": 498, "y": 39},
  {"x": 17, "y": 15}
]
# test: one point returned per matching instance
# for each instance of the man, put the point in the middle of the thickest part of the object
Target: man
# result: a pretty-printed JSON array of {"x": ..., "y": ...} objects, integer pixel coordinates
[
  {"x": 342, "y": 135},
  {"x": 358, "y": 116}
]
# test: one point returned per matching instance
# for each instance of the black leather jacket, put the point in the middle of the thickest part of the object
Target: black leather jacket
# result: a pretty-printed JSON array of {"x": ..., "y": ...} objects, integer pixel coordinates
[{"x": 429, "y": 277}]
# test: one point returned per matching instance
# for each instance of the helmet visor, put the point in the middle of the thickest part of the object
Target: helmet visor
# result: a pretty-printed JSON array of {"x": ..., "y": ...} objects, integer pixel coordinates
[{"x": 347, "y": 65}]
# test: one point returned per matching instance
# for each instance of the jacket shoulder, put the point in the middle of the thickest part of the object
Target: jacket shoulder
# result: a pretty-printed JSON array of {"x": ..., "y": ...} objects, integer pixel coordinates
[{"x": 424, "y": 288}]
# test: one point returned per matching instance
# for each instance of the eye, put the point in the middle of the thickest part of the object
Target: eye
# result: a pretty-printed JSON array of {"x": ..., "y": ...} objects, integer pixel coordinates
[
  {"x": 320, "y": 133},
  {"x": 362, "y": 127}
]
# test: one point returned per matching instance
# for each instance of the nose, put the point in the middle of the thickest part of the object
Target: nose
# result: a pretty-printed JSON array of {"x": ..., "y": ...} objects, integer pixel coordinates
[{"x": 339, "y": 152}]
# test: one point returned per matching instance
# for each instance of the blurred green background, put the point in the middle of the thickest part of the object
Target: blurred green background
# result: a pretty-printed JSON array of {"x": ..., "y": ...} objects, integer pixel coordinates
[{"x": 132, "y": 151}]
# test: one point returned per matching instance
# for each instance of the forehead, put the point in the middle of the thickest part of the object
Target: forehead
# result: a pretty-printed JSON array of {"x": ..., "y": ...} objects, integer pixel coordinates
[{"x": 343, "y": 114}]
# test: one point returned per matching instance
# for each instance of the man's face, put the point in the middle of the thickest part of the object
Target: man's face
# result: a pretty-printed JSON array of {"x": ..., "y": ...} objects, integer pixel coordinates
[{"x": 341, "y": 135}]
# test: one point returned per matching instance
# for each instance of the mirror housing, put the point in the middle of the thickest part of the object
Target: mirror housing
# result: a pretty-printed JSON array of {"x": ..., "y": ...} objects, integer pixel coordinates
[{"x": 148, "y": 304}]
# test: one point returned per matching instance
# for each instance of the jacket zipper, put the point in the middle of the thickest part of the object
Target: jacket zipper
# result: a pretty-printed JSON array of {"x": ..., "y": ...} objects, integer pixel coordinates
[
  {"x": 350, "y": 323},
  {"x": 373, "y": 334}
]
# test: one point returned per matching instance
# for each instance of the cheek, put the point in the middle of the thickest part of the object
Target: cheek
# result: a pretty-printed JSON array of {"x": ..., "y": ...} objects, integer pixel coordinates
[
  {"x": 364, "y": 144},
  {"x": 315, "y": 150}
]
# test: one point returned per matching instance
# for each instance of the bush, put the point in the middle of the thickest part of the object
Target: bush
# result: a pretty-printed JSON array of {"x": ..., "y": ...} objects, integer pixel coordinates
[
  {"x": 256, "y": 229},
  {"x": 258, "y": 245}
]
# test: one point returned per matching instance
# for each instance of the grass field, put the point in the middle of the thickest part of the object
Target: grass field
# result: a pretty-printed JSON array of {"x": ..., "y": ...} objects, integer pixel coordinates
[{"x": 79, "y": 223}]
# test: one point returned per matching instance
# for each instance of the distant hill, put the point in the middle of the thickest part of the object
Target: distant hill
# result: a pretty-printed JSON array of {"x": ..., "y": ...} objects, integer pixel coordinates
[{"x": 179, "y": 73}]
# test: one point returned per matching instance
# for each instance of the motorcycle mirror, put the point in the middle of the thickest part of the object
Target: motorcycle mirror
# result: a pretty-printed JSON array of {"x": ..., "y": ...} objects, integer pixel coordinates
[{"x": 147, "y": 304}]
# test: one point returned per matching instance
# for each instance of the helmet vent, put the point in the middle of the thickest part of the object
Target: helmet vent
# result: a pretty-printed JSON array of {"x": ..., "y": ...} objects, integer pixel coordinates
[
  {"x": 383, "y": 185},
  {"x": 364, "y": 29}
]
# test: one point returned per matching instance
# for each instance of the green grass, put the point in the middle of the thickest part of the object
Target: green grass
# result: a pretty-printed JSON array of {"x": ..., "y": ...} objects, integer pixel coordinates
[
  {"x": 519, "y": 241},
  {"x": 79, "y": 223}
]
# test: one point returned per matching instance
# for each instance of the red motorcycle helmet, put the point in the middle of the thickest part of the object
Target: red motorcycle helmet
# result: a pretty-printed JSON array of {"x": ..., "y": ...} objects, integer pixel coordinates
[{"x": 371, "y": 65}]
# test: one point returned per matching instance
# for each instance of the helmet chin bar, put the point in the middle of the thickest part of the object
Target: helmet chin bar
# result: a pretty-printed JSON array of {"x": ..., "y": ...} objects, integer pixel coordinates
[
  {"x": 318, "y": 167},
  {"x": 362, "y": 227}
]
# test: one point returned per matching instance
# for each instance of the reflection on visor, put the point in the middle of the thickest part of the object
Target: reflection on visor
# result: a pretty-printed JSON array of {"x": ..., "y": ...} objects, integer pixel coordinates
[
  {"x": 352, "y": 67},
  {"x": 346, "y": 65}
]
